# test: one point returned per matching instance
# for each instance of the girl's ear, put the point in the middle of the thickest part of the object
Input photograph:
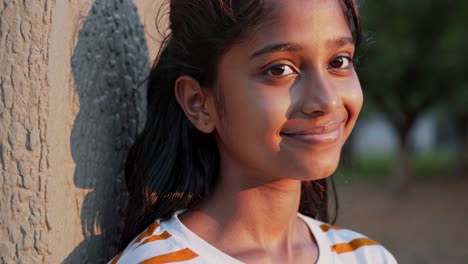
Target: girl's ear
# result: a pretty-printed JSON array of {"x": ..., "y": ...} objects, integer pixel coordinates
[{"x": 195, "y": 103}]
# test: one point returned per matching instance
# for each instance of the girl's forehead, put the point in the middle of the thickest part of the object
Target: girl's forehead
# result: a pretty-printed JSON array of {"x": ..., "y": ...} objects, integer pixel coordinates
[
  {"x": 313, "y": 10},
  {"x": 302, "y": 21},
  {"x": 284, "y": 6}
]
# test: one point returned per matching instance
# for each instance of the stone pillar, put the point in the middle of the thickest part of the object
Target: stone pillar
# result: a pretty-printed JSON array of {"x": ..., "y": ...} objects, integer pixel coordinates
[
  {"x": 24, "y": 52},
  {"x": 70, "y": 106}
]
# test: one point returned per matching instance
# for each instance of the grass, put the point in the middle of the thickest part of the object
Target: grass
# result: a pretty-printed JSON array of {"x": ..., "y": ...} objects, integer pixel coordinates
[{"x": 380, "y": 167}]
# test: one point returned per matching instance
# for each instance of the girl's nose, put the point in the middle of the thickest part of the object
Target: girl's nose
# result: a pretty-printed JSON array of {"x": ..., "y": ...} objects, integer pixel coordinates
[{"x": 319, "y": 96}]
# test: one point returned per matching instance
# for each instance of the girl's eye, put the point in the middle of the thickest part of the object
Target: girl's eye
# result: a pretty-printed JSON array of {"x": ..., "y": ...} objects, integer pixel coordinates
[
  {"x": 280, "y": 70},
  {"x": 340, "y": 62}
]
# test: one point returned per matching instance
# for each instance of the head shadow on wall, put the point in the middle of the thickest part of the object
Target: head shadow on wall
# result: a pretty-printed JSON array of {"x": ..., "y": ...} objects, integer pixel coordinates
[{"x": 108, "y": 64}]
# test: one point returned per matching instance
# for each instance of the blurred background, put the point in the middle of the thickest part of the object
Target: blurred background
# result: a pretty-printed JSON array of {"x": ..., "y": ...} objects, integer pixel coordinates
[
  {"x": 71, "y": 106},
  {"x": 403, "y": 179}
]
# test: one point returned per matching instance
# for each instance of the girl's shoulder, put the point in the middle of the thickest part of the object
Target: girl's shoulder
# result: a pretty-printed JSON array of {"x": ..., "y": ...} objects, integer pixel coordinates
[
  {"x": 346, "y": 246},
  {"x": 154, "y": 245}
]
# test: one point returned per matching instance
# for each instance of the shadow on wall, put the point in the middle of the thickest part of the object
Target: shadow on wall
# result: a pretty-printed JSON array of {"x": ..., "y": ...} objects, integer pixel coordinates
[{"x": 108, "y": 63}]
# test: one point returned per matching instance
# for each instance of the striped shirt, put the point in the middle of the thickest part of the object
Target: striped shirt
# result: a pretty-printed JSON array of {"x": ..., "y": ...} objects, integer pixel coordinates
[{"x": 170, "y": 241}]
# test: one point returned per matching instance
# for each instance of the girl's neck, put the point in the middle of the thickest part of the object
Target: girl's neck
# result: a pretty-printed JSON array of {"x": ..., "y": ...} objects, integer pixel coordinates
[
  {"x": 249, "y": 211},
  {"x": 266, "y": 213}
]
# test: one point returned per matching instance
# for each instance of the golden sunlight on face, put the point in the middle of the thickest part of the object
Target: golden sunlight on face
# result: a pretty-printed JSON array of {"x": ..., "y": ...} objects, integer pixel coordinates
[{"x": 291, "y": 93}]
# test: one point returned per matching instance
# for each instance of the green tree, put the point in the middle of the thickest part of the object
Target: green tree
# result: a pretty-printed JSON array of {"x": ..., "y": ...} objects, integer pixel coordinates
[
  {"x": 456, "y": 107},
  {"x": 413, "y": 59}
]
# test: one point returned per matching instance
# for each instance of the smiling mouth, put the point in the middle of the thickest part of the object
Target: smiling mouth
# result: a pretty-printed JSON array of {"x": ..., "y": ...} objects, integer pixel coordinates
[{"x": 326, "y": 134}]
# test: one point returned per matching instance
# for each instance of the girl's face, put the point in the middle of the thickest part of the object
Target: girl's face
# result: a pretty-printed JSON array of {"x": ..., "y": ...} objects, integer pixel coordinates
[{"x": 291, "y": 94}]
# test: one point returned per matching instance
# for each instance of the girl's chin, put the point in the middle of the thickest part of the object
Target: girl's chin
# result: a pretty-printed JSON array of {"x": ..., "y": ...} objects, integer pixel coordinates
[{"x": 318, "y": 172}]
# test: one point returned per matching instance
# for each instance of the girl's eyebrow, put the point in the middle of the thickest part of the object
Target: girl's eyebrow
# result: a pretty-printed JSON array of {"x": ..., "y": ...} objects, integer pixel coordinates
[
  {"x": 275, "y": 47},
  {"x": 294, "y": 47},
  {"x": 341, "y": 41}
]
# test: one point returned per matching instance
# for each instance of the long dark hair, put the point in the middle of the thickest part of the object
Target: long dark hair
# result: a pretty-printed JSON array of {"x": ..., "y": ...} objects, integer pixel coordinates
[{"x": 171, "y": 164}]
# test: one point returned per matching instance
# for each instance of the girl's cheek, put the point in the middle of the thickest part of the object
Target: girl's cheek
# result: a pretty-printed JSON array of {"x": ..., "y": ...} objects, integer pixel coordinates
[
  {"x": 275, "y": 98},
  {"x": 355, "y": 98},
  {"x": 352, "y": 100},
  {"x": 350, "y": 91},
  {"x": 276, "y": 113}
]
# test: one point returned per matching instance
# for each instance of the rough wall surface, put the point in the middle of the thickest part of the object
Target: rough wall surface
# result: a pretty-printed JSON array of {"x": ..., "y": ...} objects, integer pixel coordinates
[
  {"x": 70, "y": 107},
  {"x": 24, "y": 42}
]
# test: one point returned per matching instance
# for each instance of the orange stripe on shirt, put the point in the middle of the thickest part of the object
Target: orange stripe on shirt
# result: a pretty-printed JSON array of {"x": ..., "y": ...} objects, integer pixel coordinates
[
  {"x": 352, "y": 245},
  {"x": 116, "y": 258},
  {"x": 176, "y": 256},
  {"x": 326, "y": 227},
  {"x": 149, "y": 231},
  {"x": 162, "y": 236}
]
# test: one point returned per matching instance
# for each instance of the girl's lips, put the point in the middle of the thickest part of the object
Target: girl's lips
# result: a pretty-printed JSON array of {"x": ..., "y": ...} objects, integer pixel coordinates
[
  {"x": 325, "y": 134},
  {"x": 316, "y": 138}
]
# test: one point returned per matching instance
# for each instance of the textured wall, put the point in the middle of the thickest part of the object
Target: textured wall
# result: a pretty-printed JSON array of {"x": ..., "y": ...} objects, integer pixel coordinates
[
  {"x": 24, "y": 36},
  {"x": 70, "y": 107}
]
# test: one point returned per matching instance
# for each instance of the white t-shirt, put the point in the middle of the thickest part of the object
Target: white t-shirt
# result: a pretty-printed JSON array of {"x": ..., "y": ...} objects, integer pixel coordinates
[{"x": 170, "y": 241}]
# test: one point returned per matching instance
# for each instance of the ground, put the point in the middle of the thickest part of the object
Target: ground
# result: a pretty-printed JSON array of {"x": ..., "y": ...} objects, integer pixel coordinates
[{"x": 428, "y": 224}]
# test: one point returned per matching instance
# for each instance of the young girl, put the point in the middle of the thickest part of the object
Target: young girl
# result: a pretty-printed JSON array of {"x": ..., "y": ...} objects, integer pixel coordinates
[{"x": 249, "y": 104}]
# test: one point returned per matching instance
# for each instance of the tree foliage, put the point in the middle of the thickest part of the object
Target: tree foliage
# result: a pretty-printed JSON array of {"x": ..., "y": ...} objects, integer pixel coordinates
[{"x": 414, "y": 58}]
